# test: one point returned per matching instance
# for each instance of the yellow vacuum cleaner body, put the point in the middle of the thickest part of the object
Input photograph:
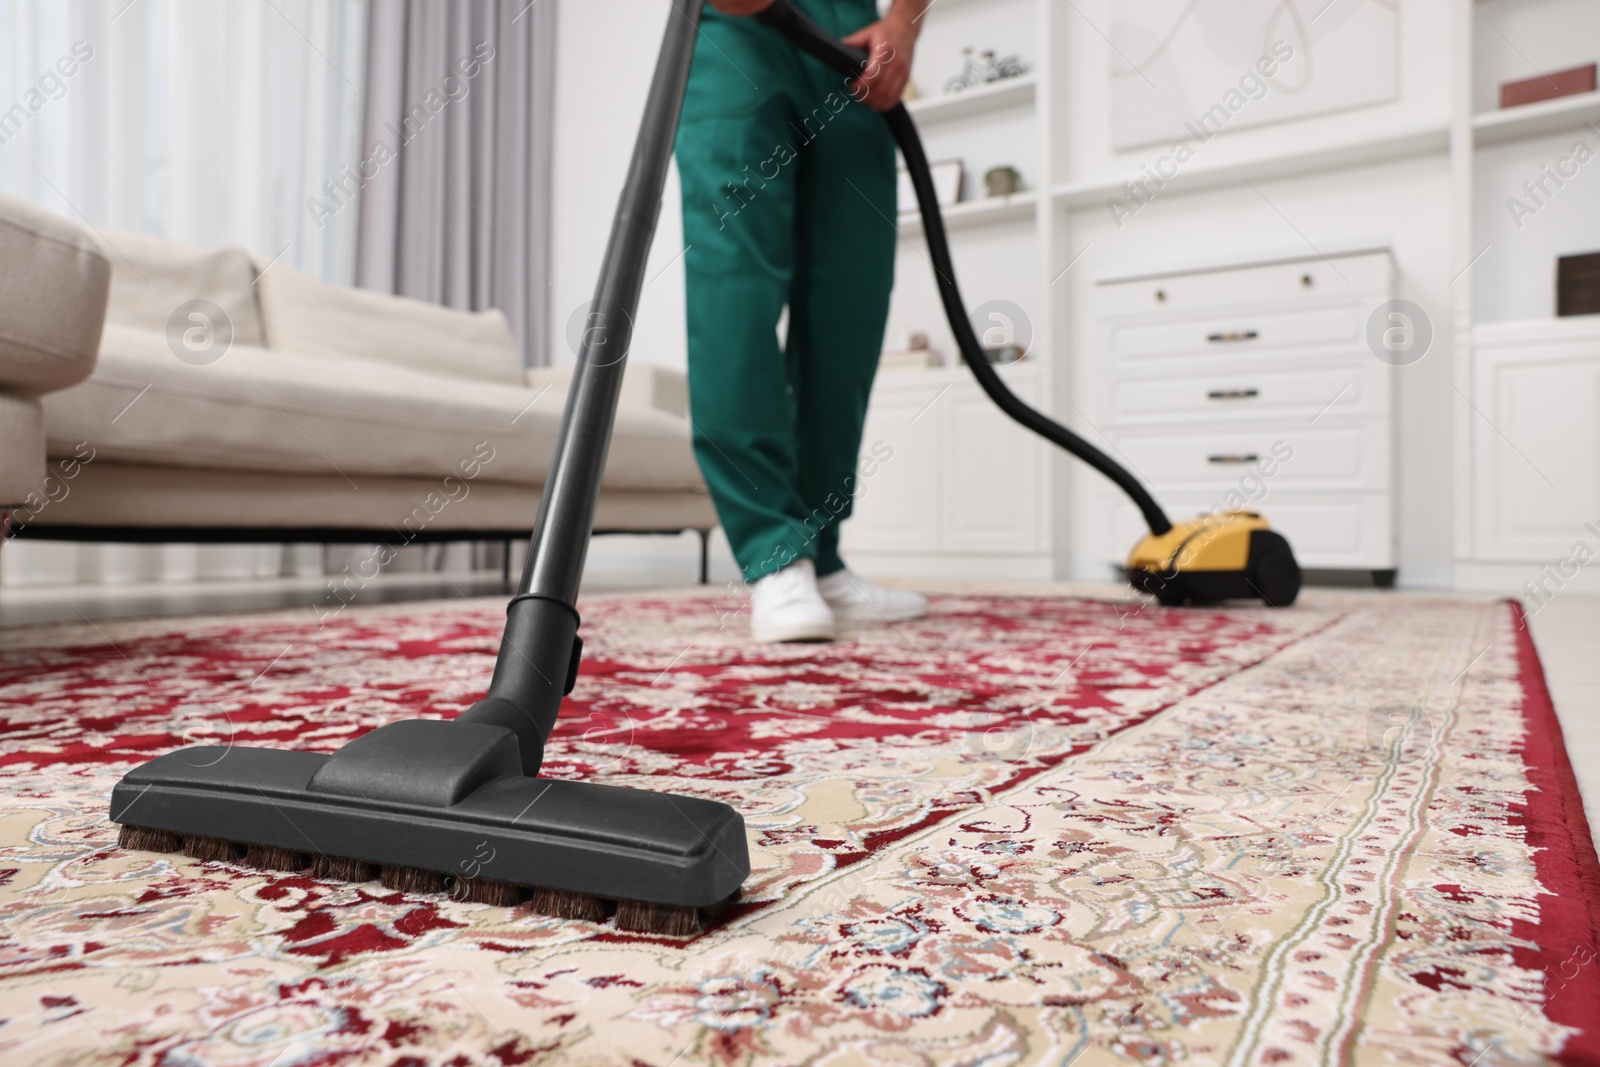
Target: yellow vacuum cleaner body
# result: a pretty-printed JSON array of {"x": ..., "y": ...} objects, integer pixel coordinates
[{"x": 1216, "y": 557}]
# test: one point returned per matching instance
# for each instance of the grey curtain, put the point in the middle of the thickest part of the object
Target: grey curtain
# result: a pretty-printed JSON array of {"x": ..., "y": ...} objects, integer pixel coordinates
[{"x": 455, "y": 173}]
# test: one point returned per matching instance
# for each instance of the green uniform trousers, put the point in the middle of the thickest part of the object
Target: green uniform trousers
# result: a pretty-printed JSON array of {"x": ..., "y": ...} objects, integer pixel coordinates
[{"x": 788, "y": 199}]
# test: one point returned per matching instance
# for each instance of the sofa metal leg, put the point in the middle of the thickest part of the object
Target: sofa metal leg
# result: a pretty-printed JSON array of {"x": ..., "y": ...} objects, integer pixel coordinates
[
  {"x": 505, "y": 565},
  {"x": 705, "y": 556}
]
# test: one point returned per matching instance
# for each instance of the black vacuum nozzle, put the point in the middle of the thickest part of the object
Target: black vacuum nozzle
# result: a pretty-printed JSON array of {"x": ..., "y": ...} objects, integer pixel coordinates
[{"x": 446, "y": 798}]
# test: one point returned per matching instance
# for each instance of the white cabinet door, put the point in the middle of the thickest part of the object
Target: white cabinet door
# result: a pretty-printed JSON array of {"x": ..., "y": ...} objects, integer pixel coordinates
[
  {"x": 897, "y": 485},
  {"x": 1536, "y": 448},
  {"x": 994, "y": 500}
]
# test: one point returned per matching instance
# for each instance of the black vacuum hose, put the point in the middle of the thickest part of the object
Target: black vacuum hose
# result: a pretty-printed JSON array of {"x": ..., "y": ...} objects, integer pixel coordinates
[{"x": 802, "y": 32}]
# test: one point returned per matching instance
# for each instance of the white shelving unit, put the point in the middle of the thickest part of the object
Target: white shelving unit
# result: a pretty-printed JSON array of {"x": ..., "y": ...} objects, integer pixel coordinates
[
  {"x": 1010, "y": 92},
  {"x": 1426, "y": 174},
  {"x": 1356, "y": 151},
  {"x": 990, "y": 210},
  {"x": 1532, "y": 120},
  {"x": 1527, "y": 468},
  {"x": 967, "y": 493}
]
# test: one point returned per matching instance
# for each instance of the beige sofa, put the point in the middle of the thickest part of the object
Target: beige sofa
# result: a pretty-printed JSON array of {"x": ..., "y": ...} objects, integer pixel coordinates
[
  {"x": 53, "y": 281},
  {"x": 236, "y": 399}
]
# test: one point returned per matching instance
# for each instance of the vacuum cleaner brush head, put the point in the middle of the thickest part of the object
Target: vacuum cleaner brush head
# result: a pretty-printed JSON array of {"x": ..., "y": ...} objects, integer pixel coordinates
[{"x": 428, "y": 806}]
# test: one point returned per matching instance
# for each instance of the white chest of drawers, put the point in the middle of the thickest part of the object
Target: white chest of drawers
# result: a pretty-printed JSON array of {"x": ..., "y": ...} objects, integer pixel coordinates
[{"x": 1253, "y": 384}]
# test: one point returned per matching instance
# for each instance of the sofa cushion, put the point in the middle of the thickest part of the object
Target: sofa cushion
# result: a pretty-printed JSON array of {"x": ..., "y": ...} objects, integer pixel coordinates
[
  {"x": 310, "y": 318},
  {"x": 53, "y": 280},
  {"x": 151, "y": 278},
  {"x": 262, "y": 409}
]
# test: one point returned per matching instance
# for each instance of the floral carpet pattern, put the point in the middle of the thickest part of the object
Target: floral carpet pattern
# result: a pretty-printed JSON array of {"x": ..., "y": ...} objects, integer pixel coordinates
[{"x": 1026, "y": 829}]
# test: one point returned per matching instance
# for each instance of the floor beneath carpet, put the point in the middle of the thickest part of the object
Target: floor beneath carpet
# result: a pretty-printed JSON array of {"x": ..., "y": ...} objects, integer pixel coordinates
[{"x": 1567, "y": 633}]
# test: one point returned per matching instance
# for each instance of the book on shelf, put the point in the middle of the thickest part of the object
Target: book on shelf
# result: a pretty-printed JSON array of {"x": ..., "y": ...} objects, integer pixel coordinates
[
  {"x": 1548, "y": 86},
  {"x": 1578, "y": 284}
]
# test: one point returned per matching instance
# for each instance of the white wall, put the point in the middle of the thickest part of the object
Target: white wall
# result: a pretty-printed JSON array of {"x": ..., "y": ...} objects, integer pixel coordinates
[{"x": 605, "y": 55}]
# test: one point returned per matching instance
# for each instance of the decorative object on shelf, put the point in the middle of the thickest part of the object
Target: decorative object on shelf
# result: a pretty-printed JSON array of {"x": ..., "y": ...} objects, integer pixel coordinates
[
  {"x": 982, "y": 68},
  {"x": 1004, "y": 330},
  {"x": 1578, "y": 282},
  {"x": 947, "y": 181},
  {"x": 1556, "y": 83},
  {"x": 910, "y": 92},
  {"x": 1002, "y": 181},
  {"x": 915, "y": 356}
]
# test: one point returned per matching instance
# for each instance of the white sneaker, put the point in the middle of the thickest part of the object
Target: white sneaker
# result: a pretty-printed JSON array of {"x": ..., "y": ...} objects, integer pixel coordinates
[
  {"x": 854, "y": 598},
  {"x": 787, "y": 607}
]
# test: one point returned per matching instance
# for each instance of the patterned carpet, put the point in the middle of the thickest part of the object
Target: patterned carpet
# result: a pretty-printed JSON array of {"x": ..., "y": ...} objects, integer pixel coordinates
[{"x": 1023, "y": 830}]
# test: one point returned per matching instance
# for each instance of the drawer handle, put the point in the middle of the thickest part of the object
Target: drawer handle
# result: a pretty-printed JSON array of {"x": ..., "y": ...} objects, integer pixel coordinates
[
  {"x": 1232, "y": 335},
  {"x": 1233, "y": 394},
  {"x": 1234, "y": 457}
]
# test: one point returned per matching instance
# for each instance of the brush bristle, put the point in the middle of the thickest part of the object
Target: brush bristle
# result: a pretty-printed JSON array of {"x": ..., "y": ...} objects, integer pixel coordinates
[
  {"x": 273, "y": 858},
  {"x": 636, "y": 915},
  {"x": 560, "y": 904},
  {"x": 144, "y": 839},
  {"x": 668, "y": 919},
  {"x": 342, "y": 869},
  {"x": 411, "y": 879},
  {"x": 211, "y": 849},
  {"x": 483, "y": 891}
]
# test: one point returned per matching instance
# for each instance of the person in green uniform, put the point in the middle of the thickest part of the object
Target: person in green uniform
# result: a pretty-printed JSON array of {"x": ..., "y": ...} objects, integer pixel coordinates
[{"x": 789, "y": 182}]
